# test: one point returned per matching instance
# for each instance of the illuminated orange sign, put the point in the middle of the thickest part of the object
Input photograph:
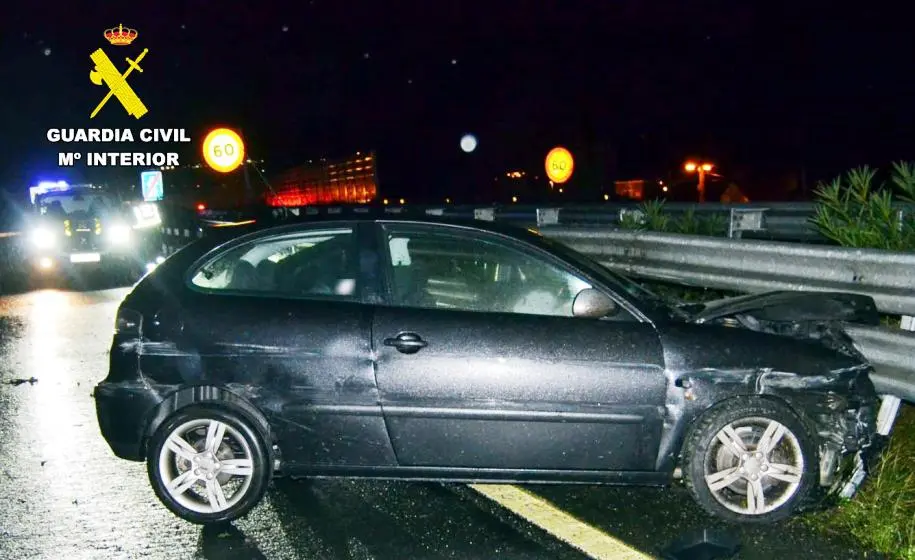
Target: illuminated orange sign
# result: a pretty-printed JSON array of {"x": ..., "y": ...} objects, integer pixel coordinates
[
  {"x": 223, "y": 150},
  {"x": 559, "y": 165}
]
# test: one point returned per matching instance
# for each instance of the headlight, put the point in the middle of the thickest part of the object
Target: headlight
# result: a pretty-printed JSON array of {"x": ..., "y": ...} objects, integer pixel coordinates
[
  {"x": 43, "y": 238},
  {"x": 119, "y": 234}
]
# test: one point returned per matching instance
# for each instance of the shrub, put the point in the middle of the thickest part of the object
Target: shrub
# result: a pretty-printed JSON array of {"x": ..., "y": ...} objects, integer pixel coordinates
[{"x": 855, "y": 211}]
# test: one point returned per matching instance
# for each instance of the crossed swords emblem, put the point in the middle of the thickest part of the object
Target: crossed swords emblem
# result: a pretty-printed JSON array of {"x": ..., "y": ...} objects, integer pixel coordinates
[{"x": 106, "y": 73}]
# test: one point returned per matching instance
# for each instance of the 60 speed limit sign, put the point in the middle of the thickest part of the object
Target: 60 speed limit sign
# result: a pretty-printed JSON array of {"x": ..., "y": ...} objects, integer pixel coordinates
[{"x": 223, "y": 150}]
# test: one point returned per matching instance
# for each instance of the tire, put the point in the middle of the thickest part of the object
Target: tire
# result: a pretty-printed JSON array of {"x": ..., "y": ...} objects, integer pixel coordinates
[
  {"x": 737, "y": 480},
  {"x": 241, "y": 443}
]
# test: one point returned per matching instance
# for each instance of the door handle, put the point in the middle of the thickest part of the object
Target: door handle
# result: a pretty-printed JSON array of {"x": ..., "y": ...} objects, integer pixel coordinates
[{"x": 408, "y": 343}]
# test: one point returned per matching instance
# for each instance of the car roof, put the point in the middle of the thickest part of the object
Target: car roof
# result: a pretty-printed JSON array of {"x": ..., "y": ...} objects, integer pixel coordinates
[{"x": 515, "y": 231}]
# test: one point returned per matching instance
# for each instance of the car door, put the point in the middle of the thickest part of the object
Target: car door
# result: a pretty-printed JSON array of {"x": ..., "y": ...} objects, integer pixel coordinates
[
  {"x": 282, "y": 321},
  {"x": 478, "y": 368}
]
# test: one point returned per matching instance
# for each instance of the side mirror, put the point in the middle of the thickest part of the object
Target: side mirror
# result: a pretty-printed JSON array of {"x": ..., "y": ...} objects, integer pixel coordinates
[{"x": 593, "y": 304}]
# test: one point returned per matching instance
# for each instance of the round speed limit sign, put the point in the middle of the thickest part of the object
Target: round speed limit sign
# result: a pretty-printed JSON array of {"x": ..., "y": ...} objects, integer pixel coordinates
[
  {"x": 559, "y": 165},
  {"x": 223, "y": 150}
]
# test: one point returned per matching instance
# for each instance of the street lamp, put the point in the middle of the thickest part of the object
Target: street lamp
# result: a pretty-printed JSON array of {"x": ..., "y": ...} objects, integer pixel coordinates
[{"x": 702, "y": 169}]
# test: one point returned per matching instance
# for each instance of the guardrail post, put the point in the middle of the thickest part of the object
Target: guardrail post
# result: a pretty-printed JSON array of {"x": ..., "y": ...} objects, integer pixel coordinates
[
  {"x": 746, "y": 220},
  {"x": 889, "y": 405},
  {"x": 487, "y": 214},
  {"x": 547, "y": 216},
  {"x": 636, "y": 214}
]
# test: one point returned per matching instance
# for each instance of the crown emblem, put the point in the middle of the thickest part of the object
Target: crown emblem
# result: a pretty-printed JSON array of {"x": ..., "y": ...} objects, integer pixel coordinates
[{"x": 120, "y": 35}]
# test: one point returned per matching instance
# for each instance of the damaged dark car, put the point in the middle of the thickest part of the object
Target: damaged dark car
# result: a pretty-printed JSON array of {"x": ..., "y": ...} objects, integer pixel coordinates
[{"x": 469, "y": 351}]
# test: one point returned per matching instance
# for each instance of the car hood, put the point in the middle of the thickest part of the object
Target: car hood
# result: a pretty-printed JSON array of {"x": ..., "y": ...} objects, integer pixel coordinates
[
  {"x": 790, "y": 306},
  {"x": 820, "y": 316}
]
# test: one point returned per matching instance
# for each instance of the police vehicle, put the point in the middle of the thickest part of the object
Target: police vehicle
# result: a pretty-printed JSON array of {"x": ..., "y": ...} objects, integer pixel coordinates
[{"x": 76, "y": 227}]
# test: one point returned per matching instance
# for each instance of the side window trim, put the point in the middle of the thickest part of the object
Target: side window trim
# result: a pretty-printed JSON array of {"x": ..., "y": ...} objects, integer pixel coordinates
[
  {"x": 387, "y": 267},
  {"x": 255, "y": 239},
  {"x": 372, "y": 261}
]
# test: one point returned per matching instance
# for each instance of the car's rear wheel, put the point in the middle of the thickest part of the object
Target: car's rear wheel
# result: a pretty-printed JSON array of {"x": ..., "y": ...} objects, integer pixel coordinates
[
  {"x": 208, "y": 465},
  {"x": 750, "y": 460}
]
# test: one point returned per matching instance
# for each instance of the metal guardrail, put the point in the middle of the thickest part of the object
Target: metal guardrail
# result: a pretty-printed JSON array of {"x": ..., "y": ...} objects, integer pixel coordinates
[
  {"x": 892, "y": 353},
  {"x": 749, "y": 265},
  {"x": 780, "y": 221}
]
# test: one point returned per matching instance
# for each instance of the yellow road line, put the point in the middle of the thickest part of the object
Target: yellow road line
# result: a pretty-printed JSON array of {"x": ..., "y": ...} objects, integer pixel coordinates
[{"x": 574, "y": 532}]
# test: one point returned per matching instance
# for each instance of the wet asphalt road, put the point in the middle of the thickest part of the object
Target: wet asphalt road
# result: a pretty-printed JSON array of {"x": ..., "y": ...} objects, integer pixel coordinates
[{"x": 64, "y": 495}]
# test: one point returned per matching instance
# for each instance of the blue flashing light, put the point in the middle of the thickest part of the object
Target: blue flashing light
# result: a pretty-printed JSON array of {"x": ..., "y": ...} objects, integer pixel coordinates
[{"x": 45, "y": 187}]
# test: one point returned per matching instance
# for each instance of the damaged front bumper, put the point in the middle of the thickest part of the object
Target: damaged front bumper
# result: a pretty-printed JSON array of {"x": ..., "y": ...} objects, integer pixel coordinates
[{"x": 849, "y": 447}]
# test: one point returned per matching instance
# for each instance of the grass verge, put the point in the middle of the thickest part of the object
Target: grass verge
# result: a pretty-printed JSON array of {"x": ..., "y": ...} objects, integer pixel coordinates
[{"x": 882, "y": 515}]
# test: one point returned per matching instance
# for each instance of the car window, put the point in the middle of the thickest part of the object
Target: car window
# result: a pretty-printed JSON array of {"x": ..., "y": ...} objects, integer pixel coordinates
[
  {"x": 448, "y": 271},
  {"x": 316, "y": 263},
  {"x": 75, "y": 202}
]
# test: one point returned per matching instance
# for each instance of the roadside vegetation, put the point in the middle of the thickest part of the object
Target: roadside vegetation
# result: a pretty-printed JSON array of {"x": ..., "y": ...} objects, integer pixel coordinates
[
  {"x": 882, "y": 515},
  {"x": 857, "y": 210},
  {"x": 652, "y": 216}
]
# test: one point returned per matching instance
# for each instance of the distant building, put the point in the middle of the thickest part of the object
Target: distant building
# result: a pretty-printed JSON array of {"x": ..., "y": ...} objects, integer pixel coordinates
[
  {"x": 352, "y": 180},
  {"x": 631, "y": 190}
]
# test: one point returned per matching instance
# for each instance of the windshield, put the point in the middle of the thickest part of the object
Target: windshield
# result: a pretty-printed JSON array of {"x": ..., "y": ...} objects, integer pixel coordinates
[
  {"x": 76, "y": 202},
  {"x": 614, "y": 280}
]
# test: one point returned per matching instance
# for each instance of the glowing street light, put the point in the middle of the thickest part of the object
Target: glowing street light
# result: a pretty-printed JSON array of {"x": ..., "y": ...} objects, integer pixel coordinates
[
  {"x": 702, "y": 169},
  {"x": 468, "y": 143}
]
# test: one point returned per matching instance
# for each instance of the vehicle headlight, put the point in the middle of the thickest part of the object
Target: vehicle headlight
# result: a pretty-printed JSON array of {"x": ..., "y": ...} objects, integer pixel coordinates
[
  {"x": 119, "y": 234},
  {"x": 43, "y": 238}
]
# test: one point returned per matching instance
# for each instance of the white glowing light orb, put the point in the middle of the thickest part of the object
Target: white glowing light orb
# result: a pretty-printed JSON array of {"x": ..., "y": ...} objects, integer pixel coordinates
[{"x": 469, "y": 143}]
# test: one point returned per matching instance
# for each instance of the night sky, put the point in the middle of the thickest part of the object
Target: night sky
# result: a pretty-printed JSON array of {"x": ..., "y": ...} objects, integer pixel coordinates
[{"x": 632, "y": 87}]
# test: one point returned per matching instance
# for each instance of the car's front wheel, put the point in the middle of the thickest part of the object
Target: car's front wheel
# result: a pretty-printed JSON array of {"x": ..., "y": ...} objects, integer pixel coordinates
[
  {"x": 208, "y": 465},
  {"x": 750, "y": 460}
]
